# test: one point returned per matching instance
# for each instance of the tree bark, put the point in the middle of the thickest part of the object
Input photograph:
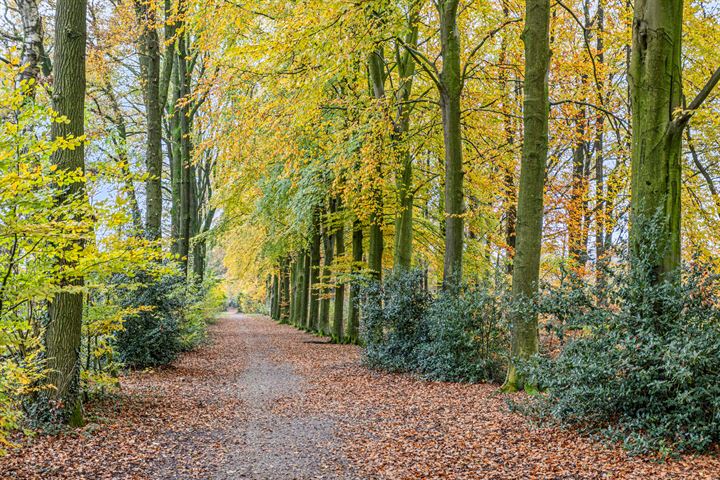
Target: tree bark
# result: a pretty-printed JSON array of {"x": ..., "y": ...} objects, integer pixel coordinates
[
  {"x": 656, "y": 94},
  {"x": 353, "y": 307},
  {"x": 526, "y": 268},
  {"x": 450, "y": 91},
  {"x": 63, "y": 333},
  {"x": 376, "y": 68},
  {"x": 149, "y": 49},
  {"x": 404, "y": 219},
  {"x": 314, "y": 272},
  {"x": 338, "y": 331},
  {"x": 328, "y": 257},
  {"x": 34, "y": 59}
]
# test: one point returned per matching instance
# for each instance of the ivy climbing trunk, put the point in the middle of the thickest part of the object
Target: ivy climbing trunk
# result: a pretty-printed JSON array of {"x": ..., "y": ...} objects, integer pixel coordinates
[
  {"x": 656, "y": 94},
  {"x": 451, "y": 84},
  {"x": 526, "y": 264},
  {"x": 353, "y": 307},
  {"x": 63, "y": 332},
  {"x": 149, "y": 49}
]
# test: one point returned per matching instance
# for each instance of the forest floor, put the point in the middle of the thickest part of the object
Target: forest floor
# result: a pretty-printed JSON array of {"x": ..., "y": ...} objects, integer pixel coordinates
[{"x": 265, "y": 401}]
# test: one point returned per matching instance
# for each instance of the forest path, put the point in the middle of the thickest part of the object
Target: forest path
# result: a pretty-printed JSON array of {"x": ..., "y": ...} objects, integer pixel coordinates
[
  {"x": 277, "y": 446},
  {"x": 266, "y": 401}
]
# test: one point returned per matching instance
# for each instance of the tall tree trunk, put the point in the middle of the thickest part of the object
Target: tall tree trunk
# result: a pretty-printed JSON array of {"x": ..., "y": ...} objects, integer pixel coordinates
[
  {"x": 599, "y": 146},
  {"x": 328, "y": 256},
  {"x": 284, "y": 315},
  {"x": 34, "y": 60},
  {"x": 304, "y": 317},
  {"x": 450, "y": 91},
  {"x": 63, "y": 332},
  {"x": 150, "y": 72},
  {"x": 338, "y": 332},
  {"x": 274, "y": 297},
  {"x": 577, "y": 241},
  {"x": 404, "y": 218},
  {"x": 294, "y": 292},
  {"x": 526, "y": 267},
  {"x": 314, "y": 272},
  {"x": 510, "y": 191},
  {"x": 376, "y": 68},
  {"x": 656, "y": 93},
  {"x": 186, "y": 177},
  {"x": 353, "y": 307}
]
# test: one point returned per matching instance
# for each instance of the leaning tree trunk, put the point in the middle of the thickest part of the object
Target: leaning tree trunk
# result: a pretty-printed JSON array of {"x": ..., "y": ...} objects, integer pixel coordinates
[
  {"x": 656, "y": 93},
  {"x": 63, "y": 332},
  {"x": 526, "y": 265},
  {"x": 451, "y": 88},
  {"x": 149, "y": 44}
]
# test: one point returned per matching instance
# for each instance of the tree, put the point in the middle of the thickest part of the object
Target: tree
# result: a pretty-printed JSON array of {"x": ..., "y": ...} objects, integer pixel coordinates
[
  {"x": 526, "y": 264},
  {"x": 658, "y": 120},
  {"x": 149, "y": 49},
  {"x": 63, "y": 333},
  {"x": 451, "y": 84}
]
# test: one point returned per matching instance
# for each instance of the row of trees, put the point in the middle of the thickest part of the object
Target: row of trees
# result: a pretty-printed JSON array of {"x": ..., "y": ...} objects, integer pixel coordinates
[
  {"x": 427, "y": 124},
  {"x": 103, "y": 144}
]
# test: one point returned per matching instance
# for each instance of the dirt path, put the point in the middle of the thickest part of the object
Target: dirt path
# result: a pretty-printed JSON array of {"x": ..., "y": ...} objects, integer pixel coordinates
[
  {"x": 265, "y": 401},
  {"x": 276, "y": 446}
]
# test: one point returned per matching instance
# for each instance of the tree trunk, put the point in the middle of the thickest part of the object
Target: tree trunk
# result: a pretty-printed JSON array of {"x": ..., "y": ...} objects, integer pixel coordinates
[
  {"x": 339, "y": 312},
  {"x": 656, "y": 93},
  {"x": 451, "y": 88},
  {"x": 34, "y": 60},
  {"x": 304, "y": 317},
  {"x": 63, "y": 333},
  {"x": 186, "y": 180},
  {"x": 376, "y": 68},
  {"x": 328, "y": 256},
  {"x": 600, "y": 203},
  {"x": 284, "y": 315},
  {"x": 353, "y": 307},
  {"x": 294, "y": 291},
  {"x": 275, "y": 297},
  {"x": 150, "y": 73},
  {"x": 404, "y": 218},
  {"x": 526, "y": 267},
  {"x": 314, "y": 319}
]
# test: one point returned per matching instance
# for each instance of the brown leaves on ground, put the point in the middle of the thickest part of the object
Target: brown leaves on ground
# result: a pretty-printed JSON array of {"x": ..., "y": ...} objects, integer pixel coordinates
[
  {"x": 184, "y": 422},
  {"x": 173, "y": 422},
  {"x": 398, "y": 427}
]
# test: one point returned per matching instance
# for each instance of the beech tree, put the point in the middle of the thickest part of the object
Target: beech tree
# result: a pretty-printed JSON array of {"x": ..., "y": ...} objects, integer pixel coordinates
[
  {"x": 63, "y": 332},
  {"x": 526, "y": 263},
  {"x": 659, "y": 117}
]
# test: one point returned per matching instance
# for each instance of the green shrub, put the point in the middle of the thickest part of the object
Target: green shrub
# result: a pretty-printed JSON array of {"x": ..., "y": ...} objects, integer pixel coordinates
[
  {"x": 450, "y": 336},
  {"x": 151, "y": 336},
  {"x": 644, "y": 366},
  {"x": 466, "y": 337}
]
